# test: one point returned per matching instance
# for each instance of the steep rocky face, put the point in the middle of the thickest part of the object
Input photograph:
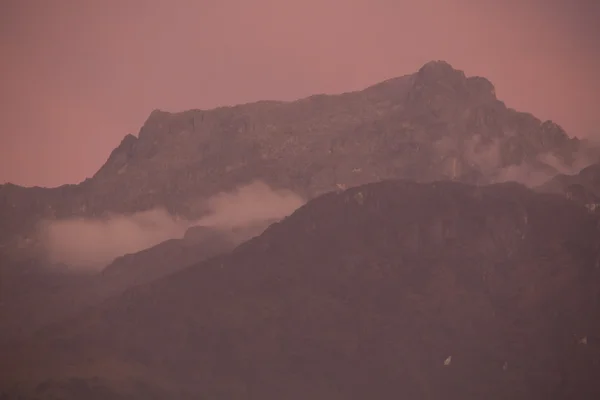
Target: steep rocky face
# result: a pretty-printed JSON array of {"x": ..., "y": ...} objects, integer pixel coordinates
[
  {"x": 434, "y": 124},
  {"x": 388, "y": 290}
]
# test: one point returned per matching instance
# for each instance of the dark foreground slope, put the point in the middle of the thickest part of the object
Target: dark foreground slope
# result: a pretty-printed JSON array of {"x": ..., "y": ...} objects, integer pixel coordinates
[
  {"x": 34, "y": 295},
  {"x": 389, "y": 290}
]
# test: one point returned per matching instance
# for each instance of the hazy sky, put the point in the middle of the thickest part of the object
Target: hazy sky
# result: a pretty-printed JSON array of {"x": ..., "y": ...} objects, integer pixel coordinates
[{"x": 77, "y": 75}]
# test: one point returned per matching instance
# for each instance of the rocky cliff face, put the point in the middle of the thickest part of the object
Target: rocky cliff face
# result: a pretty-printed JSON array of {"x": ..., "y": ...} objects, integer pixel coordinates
[{"x": 432, "y": 125}]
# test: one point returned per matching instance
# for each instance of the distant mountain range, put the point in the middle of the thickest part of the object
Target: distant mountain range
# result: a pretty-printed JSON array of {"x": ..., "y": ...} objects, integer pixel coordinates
[{"x": 414, "y": 270}]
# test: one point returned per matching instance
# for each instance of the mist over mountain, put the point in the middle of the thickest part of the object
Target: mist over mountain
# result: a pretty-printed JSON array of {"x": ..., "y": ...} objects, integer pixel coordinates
[
  {"x": 126, "y": 250},
  {"x": 392, "y": 289},
  {"x": 92, "y": 243}
]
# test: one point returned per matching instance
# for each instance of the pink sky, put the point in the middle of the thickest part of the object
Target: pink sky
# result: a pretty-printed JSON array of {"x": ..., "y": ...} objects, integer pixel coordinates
[{"x": 78, "y": 75}]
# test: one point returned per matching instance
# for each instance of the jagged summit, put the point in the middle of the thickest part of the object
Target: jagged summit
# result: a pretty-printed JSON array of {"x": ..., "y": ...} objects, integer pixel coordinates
[
  {"x": 440, "y": 71},
  {"x": 430, "y": 73},
  {"x": 440, "y": 87},
  {"x": 442, "y": 74}
]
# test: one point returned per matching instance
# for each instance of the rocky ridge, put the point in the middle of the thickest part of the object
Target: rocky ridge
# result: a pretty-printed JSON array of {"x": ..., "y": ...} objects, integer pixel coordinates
[{"x": 431, "y": 125}]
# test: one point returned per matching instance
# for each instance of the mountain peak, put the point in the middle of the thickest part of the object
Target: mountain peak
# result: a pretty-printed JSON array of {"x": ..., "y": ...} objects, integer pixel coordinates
[
  {"x": 447, "y": 92},
  {"x": 438, "y": 70}
]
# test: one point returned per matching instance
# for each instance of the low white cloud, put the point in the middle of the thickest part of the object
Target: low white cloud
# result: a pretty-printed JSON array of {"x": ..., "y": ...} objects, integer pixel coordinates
[{"x": 92, "y": 243}]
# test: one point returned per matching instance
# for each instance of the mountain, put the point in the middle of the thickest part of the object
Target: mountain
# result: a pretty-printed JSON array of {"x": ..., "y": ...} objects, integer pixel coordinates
[
  {"x": 394, "y": 289},
  {"x": 435, "y": 124},
  {"x": 431, "y": 125}
]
